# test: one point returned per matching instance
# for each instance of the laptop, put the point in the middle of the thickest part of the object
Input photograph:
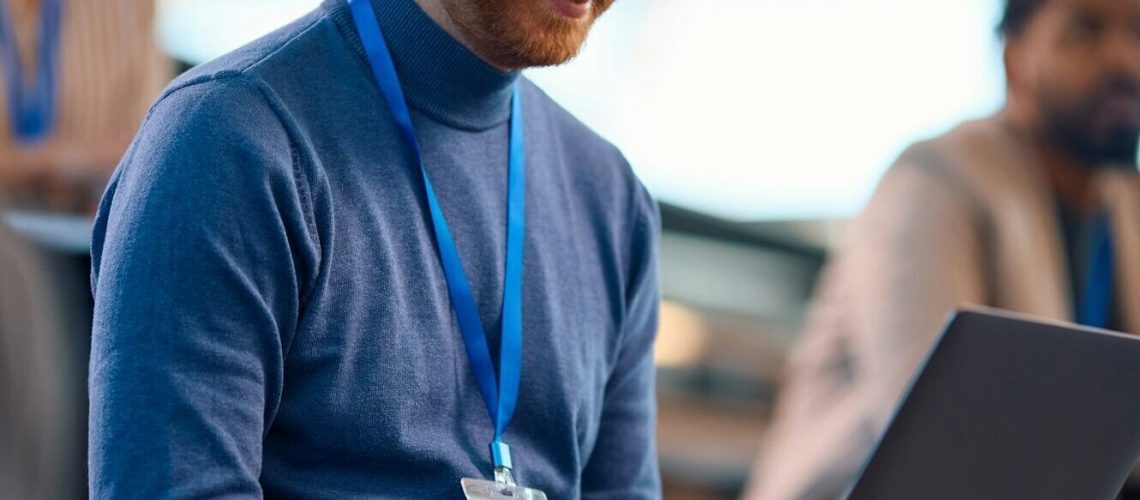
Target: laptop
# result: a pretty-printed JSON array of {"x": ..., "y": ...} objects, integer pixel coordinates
[{"x": 1008, "y": 407}]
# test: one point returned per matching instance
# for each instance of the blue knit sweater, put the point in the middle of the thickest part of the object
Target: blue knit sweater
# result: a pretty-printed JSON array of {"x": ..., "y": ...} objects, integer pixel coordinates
[{"x": 271, "y": 315}]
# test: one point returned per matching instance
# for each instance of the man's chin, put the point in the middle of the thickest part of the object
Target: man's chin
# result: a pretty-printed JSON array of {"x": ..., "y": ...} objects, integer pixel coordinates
[
  {"x": 552, "y": 46},
  {"x": 517, "y": 34},
  {"x": 1093, "y": 144}
]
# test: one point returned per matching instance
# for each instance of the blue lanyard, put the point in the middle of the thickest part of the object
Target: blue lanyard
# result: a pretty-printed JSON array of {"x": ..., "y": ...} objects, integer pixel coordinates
[
  {"x": 1095, "y": 308},
  {"x": 500, "y": 401},
  {"x": 31, "y": 108}
]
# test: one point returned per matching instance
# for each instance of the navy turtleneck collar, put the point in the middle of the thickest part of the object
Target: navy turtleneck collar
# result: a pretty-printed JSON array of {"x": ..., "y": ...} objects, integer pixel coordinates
[{"x": 441, "y": 78}]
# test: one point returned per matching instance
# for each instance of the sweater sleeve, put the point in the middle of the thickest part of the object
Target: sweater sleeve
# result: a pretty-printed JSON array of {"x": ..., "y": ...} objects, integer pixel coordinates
[
  {"x": 201, "y": 254},
  {"x": 623, "y": 464}
]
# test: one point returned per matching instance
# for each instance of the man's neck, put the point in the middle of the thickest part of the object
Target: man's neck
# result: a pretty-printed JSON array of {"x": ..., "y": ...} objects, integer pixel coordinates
[
  {"x": 26, "y": 25},
  {"x": 438, "y": 13},
  {"x": 1071, "y": 182}
]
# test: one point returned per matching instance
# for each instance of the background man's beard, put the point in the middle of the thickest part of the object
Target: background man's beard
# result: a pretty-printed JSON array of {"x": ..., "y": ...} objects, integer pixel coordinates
[
  {"x": 516, "y": 34},
  {"x": 1072, "y": 129},
  {"x": 1116, "y": 147}
]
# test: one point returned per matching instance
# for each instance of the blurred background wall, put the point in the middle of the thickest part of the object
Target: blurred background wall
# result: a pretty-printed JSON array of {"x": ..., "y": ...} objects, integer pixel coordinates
[{"x": 760, "y": 125}]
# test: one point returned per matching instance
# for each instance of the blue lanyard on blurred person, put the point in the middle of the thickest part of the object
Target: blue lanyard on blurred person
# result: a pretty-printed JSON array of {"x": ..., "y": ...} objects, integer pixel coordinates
[
  {"x": 1095, "y": 309},
  {"x": 31, "y": 104},
  {"x": 500, "y": 401}
]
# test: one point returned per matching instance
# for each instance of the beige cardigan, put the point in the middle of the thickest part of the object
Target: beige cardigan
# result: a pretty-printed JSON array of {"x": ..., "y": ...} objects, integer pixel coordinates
[{"x": 966, "y": 218}]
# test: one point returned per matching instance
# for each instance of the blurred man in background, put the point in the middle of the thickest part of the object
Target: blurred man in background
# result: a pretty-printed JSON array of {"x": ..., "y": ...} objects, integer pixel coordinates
[
  {"x": 282, "y": 304},
  {"x": 76, "y": 78},
  {"x": 1036, "y": 210}
]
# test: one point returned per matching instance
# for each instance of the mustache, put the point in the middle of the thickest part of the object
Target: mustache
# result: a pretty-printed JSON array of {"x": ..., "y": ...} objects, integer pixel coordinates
[{"x": 1116, "y": 86}]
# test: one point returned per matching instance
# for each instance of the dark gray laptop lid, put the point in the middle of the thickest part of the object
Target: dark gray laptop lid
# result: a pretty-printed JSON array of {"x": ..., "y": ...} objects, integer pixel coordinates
[{"x": 1006, "y": 407}]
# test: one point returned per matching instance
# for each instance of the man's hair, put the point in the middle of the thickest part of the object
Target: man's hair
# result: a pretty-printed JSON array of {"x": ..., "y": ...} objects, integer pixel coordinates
[{"x": 1017, "y": 15}]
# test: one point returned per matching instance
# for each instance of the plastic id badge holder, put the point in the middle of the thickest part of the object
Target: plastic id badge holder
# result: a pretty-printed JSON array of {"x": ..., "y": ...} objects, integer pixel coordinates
[{"x": 481, "y": 489}]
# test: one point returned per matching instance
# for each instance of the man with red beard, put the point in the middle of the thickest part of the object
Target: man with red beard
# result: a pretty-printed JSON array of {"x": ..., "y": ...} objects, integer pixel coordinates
[
  {"x": 363, "y": 257},
  {"x": 1035, "y": 210}
]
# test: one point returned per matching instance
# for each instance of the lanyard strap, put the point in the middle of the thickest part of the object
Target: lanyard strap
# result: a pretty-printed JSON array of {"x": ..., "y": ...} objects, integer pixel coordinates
[
  {"x": 500, "y": 401},
  {"x": 31, "y": 108},
  {"x": 1095, "y": 308}
]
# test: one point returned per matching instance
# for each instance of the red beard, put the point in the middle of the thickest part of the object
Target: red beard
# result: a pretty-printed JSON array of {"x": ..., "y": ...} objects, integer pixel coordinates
[{"x": 518, "y": 34}]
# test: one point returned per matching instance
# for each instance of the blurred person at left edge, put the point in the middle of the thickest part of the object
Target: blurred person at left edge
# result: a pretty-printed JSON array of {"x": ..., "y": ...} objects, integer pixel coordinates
[
  {"x": 336, "y": 263},
  {"x": 39, "y": 441},
  {"x": 76, "y": 79}
]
